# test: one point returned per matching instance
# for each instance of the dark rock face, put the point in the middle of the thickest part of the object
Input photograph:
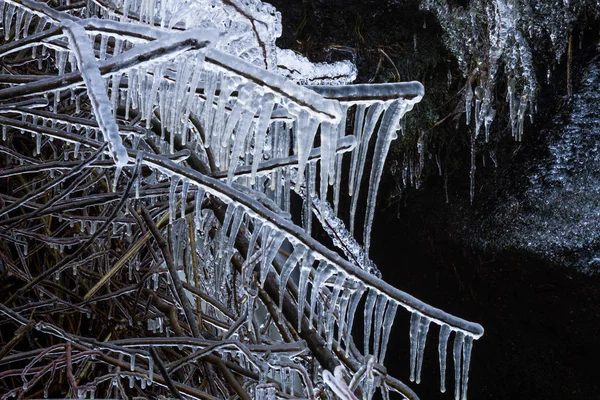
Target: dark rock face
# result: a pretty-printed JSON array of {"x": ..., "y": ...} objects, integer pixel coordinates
[{"x": 557, "y": 217}]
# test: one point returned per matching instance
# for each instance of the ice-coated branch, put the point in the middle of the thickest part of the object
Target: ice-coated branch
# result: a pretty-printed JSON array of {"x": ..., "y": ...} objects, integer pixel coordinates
[
  {"x": 320, "y": 252},
  {"x": 88, "y": 65},
  {"x": 369, "y": 93}
]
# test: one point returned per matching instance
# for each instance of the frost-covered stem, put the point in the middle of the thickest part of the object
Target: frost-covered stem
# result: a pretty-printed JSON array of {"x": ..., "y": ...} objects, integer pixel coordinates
[
  {"x": 188, "y": 390},
  {"x": 215, "y": 303},
  {"x": 81, "y": 249},
  {"x": 370, "y": 93},
  {"x": 168, "y": 259},
  {"x": 21, "y": 331},
  {"x": 69, "y": 364},
  {"x": 164, "y": 373}
]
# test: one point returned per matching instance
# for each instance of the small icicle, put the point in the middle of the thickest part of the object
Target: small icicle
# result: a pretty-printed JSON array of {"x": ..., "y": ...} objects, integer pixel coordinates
[
  {"x": 415, "y": 320},
  {"x": 457, "y": 351},
  {"x": 390, "y": 313},
  {"x": 442, "y": 349},
  {"x": 287, "y": 269},
  {"x": 379, "y": 310},
  {"x": 307, "y": 129},
  {"x": 369, "y": 308},
  {"x": 118, "y": 170},
  {"x": 354, "y": 300},
  {"x": 184, "y": 190},
  {"x": 468, "y": 102},
  {"x": 324, "y": 272},
  {"x": 150, "y": 371},
  {"x": 173, "y": 199},
  {"x": 132, "y": 362},
  {"x": 467, "y": 347},
  {"x": 305, "y": 269},
  {"x": 423, "y": 329},
  {"x": 337, "y": 289}
]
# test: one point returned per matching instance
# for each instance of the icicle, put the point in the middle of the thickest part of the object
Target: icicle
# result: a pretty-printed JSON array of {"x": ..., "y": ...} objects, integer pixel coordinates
[
  {"x": 103, "y": 46},
  {"x": 337, "y": 289},
  {"x": 241, "y": 132},
  {"x": 379, "y": 309},
  {"x": 328, "y": 142},
  {"x": 307, "y": 129},
  {"x": 118, "y": 170},
  {"x": 266, "y": 108},
  {"x": 442, "y": 349},
  {"x": 354, "y": 300},
  {"x": 38, "y": 144},
  {"x": 359, "y": 117},
  {"x": 132, "y": 362},
  {"x": 469, "y": 102},
  {"x": 173, "y": 199},
  {"x": 287, "y": 269},
  {"x": 198, "y": 207},
  {"x": 457, "y": 350},
  {"x": 324, "y": 272},
  {"x": 369, "y": 308},
  {"x": 467, "y": 347},
  {"x": 184, "y": 191},
  {"x": 219, "y": 118},
  {"x": 356, "y": 169},
  {"x": 415, "y": 320},
  {"x": 385, "y": 135},
  {"x": 390, "y": 313},
  {"x": 150, "y": 371},
  {"x": 423, "y": 329},
  {"x": 341, "y": 132},
  {"x": 258, "y": 225},
  {"x": 305, "y": 268}
]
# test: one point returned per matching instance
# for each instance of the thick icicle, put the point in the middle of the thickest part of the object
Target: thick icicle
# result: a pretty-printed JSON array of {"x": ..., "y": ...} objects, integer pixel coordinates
[
  {"x": 415, "y": 321},
  {"x": 354, "y": 300},
  {"x": 266, "y": 108},
  {"x": 390, "y": 314},
  {"x": 287, "y": 269},
  {"x": 305, "y": 269},
  {"x": 305, "y": 135},
  {"x": 443, "y": 350},
  {"x": 423, "y": 329},
  {"x": 467, "y": 347},
  {"x": 276, "y": 238},
  {"x": 357, "y": 168},
  {"x": 369, "y": 309},
  {"x": 359, "y": 118},
  {"x": 379, "y": 310},
  {"x": 385, "y": 135},
  {"x": 457, "y": 352},
  {"x": 333, "y": 302},
  {"x": 324, "y": 272}
]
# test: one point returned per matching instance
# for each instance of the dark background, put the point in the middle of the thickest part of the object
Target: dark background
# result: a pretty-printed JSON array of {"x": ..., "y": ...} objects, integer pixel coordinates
[{"x": 542, "y": 319}]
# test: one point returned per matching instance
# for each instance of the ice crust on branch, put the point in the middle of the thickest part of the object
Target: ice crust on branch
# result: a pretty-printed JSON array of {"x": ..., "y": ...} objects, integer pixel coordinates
[{"x": 201, "y": 228}]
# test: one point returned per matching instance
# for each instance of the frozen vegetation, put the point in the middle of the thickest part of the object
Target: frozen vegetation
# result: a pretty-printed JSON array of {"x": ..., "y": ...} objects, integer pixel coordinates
[{"x": 153, "y": 152}]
